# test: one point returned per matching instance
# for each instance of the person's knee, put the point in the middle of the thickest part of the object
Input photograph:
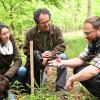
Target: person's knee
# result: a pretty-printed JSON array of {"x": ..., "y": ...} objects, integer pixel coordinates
[
  {"x": 36, "y": 52},
  {"x": 37, "y": 56},
  {"x": 63, "y": 56},
  {"x": 22, "y": 71}
]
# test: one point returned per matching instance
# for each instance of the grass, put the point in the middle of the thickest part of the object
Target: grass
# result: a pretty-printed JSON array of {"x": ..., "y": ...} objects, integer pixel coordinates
[{"x": 75, "y": 43}]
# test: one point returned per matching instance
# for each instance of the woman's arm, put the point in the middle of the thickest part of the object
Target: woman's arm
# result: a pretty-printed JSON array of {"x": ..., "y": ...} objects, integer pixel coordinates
[{"x": 16, "y": 63}]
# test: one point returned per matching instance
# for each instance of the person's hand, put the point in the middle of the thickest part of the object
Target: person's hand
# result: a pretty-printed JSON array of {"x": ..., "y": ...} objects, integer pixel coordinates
[
  {"x": 44, "y": 62},
  {"x": 56, "y": 62},
  {"x": 46, "y": 54},
  {"x": 69, "y": 84}
]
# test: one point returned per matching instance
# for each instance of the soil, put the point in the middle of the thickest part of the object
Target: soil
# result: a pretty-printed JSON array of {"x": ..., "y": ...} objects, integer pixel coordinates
[{"x": 77, "y": 93}]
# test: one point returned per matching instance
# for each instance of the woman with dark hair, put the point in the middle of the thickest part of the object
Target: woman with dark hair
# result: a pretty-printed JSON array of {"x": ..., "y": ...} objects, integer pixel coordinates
[{"x": 10, "y": 59}]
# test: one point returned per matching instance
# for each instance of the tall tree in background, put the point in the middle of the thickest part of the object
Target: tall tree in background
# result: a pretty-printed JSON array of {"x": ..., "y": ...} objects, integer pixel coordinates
[{"x": 89, "y": 13}]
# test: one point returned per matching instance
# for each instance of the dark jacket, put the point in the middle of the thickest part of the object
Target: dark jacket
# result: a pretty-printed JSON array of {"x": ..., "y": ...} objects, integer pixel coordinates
[
  {"x": 9, "y": 64},
  {"x": 55, "y": 40},
  {"x": 92, "y": 53}
]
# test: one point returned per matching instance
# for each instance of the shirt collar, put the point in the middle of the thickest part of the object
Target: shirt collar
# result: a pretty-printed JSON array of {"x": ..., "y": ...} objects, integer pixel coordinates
[{"x": 50, "y": 30}]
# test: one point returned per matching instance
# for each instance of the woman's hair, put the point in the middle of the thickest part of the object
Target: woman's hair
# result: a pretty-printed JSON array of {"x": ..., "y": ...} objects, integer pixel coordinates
[
  {"x": 40, "y": 11},
  {"x": 2, "y": 25},
  {"x": 95, "y": 21}
]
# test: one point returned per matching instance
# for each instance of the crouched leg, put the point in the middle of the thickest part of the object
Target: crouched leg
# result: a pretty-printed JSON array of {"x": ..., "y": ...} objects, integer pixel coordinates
[{"x": 93, "y": 84}]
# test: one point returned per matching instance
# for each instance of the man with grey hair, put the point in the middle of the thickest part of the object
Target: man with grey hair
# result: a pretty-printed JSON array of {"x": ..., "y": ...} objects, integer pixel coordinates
[{"x": 48, "y": 42}]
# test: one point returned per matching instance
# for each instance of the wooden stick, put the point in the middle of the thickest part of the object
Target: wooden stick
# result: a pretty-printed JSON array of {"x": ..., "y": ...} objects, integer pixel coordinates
[{"x": 32, "y": 67}]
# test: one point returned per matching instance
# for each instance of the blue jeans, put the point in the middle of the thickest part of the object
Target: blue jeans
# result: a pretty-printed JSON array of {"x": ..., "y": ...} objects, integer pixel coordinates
[
  {"x": 61, "y": 73},
  {"x": 21, "y": 73}
]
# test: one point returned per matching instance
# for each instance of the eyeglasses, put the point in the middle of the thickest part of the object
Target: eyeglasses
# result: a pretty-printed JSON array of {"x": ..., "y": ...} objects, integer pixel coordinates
[
  {"x": 88, "y": 33},
  {"x": 45, "y": 22}
]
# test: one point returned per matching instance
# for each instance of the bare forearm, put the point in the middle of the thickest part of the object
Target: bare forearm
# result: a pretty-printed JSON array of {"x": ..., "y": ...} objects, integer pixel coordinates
[
  {"x": 72, "y": 62},
  {"x": 86, "y": 73}
]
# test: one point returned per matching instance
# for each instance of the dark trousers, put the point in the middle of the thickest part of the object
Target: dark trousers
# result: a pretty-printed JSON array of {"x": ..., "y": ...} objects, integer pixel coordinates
[
  {"x": 61, "y": 72},
  {"x": 93, "y": 84},
  {"x": 37, "y": 68}
]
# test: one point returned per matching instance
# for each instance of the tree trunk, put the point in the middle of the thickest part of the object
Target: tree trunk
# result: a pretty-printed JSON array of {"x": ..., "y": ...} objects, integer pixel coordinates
[{"x": 89, "y": 13}]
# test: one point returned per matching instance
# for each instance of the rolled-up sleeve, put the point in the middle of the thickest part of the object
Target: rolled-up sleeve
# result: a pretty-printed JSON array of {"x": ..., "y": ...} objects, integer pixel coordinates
[
  {"x": 85, "y": 55},
  {"x": 96, "y": 61}
]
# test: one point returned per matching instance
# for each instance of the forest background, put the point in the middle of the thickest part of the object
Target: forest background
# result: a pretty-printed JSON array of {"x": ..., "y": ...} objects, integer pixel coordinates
[{"x": 69, "y": 15}]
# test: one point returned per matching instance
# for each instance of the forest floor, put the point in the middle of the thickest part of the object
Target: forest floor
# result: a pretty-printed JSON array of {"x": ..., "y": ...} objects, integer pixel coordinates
[{"x": 77, "y": 93}]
